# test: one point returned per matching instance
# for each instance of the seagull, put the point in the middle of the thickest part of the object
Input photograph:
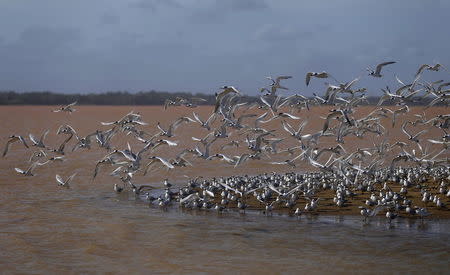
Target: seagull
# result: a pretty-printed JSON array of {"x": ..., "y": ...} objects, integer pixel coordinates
[
  {"x": 192, "y": 103},
  {"x": 422, "y": 212},
  {"x": 272, "y": 144},
  {"x": 391, "y": 215},
  {"x": 163, "y": 142},
  {"x": 435, "y": 68},
  {"x": 237, "y": 124},
  {"x": 179, "y": 161},
  {"x": 130, "y": 156},
  {"x": 156, "y": 160},
  {"x": 103, "y": 137},
  {"x": 65, "y": 183},
  {"x": 37, "y": 155},
  {"x": 259, "y": 119},
  {"x": 109, "y": 159},
  {"x": 241, "y": 193},
  {"x": 29, "y": 171},
  {"x": 66, "y": 129},
  {"x": 288, "y": 128},
  {"x": 177, "y": 102},
  {"x": 66, "y": 108},
  {"x": 233, "y": 143},
  {"x": 289, "y": 162},
  {"x": 367, "y": 213},
  {"x": 403, "y": 110},
  {"x": 326, "y": 167},
  {"x": 377, "y": 71},
  {"x": 219, "y": 96},
  {"x": 441, "y": 98},
  {"x": 276, "y": 84},
  {"x": 255, "y": 145},
  {"x": 12, "y": 139},
  {"x": 117, "y": 188},
  {"x": 205, "y": 124},
  {"x": 336, "y": 150},
  {"x": 40, "y": 142},
  {"x": 142, "y": 188},
  {"x": 130, "y": 118},
  {"x": 412, "y": 137},
  {"x": 61, "y": 147},
  {"x": 281, "y": 115},
  {"x": 170, "y": 131},
  {"x": 205, "y": 153},
  {"x": 332, "y": 114},
  {"x": 446, "y": 144},
  {"x": 399, "y": 158},
  {"x": 84, "y": 142},
  {"x": 389, "y": 96},
  {"x": 317, "y": 75},
  {"x": 221, "y": 132},
  {"x": 312, "y": 205}
]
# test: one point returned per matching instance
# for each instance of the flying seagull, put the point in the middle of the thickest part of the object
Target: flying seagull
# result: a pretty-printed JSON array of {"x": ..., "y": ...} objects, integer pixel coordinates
[{"x": 377, "y": 71}]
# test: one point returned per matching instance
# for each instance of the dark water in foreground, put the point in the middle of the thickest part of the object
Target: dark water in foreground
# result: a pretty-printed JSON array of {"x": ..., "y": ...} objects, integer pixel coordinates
[{"x": 74, "y": 231}]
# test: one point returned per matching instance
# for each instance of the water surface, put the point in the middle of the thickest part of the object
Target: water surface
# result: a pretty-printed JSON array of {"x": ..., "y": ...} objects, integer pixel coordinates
[{"x": 89, "y": 229}]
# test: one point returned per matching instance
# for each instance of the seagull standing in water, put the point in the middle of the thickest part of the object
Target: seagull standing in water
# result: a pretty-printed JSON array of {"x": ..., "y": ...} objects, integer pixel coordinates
[{"x": 367, "y": 213}]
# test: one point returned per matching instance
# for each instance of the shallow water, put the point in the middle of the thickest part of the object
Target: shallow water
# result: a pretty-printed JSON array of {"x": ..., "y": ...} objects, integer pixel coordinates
[
  {"x": 89, "y": 229},
  {"x": 76, "y": 231}
]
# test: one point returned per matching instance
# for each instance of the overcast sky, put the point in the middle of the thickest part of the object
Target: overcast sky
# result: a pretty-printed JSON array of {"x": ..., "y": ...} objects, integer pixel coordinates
[{"x": 200, "y": 45}]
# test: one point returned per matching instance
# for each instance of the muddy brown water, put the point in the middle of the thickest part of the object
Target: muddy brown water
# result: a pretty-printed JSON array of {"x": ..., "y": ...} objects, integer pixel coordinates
[{"x": 90, "y": 229}]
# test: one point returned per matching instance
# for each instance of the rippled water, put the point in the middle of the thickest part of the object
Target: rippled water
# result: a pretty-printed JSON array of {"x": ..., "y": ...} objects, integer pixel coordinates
[
  {"x": 90, "y": 229},
  {"x": 73, "y": 230}
]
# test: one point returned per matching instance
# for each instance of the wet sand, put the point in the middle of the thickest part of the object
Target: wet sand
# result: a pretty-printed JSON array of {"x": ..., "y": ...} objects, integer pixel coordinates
[{"x": 350, "y": 207}]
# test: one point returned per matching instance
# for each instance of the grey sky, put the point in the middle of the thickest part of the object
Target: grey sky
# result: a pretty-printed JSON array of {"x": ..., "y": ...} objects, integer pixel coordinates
[{"x": 199, "y": 45}]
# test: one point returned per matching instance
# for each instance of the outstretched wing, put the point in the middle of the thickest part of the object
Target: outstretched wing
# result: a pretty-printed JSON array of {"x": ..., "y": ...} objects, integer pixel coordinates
[
  {"x": 381, "y": 65},
  {"x": 72, "y": 104},
  {"x": 421, "y": 68},
  {"x": 308, "y": 78},
  {"x": 288, "y": 127},
  {"x": 197, "y": 118},
  {"x": 18, "y": 170},
  {"x": 33, "y": 139},
  {"x": 165, "y": 162},
  {"x": 59, "y": 180},
  {"x": 23, "y": 141},
  {"x": 5, "y": 151},
  {"x": 71, "y": 178}
]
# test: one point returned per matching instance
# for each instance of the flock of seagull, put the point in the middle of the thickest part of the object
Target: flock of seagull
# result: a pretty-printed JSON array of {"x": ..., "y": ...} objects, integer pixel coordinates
[{"x": 373, "y": 171}]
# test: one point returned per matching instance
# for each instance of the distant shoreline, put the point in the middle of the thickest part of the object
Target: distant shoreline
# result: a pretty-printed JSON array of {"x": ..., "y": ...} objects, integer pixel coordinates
[{"x": 119, "y": 98}]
